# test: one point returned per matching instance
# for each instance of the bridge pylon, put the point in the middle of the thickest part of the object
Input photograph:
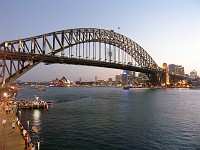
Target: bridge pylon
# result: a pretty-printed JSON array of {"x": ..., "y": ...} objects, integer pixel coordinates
[{"x": 165, "y": 76}]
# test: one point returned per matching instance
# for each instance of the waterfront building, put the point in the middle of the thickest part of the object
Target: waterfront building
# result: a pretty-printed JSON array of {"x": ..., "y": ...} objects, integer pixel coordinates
[
  {"x": 176, "y": 69},
  {"x": 193, "y": 74},
  {"x": 179, "y": 70},
  {"x": 102, "y": 82},
  {"x": 118, "y": 78},
  {"x": 131, "y": 77},
  {"x": 110, "y": 82},
  {"x": 125, "y": 77},
  {"x": 142, "y": 77},
  {"x": 133, "y": 74},
  {"x": 171, "y": 68},
  {"x": 128, "y": 77},
  {"x": 60, "y": 82}
]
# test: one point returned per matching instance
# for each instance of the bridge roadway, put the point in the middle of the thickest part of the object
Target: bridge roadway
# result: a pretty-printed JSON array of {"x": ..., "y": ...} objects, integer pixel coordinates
[
  {"x": 50, "y": 59},
  {"x": 10, "y": 139}
]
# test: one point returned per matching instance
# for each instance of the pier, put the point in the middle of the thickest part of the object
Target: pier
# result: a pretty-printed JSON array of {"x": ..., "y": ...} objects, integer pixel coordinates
[
  {"x": 13, "y": 135},
  {"x": 31, "y": 104},
  {"x": 10, "y": 139}
]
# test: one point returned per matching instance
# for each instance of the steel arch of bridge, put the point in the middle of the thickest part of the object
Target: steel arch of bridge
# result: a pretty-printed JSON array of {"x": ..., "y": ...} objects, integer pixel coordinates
[{"x": 83, "y": 46}]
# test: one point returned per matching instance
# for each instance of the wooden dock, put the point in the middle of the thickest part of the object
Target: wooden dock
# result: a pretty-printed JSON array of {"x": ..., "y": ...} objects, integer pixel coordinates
[{"x": 32, "y": 104}]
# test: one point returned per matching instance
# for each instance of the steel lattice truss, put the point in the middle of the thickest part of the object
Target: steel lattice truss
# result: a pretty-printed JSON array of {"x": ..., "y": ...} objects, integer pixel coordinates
[{"x": 84, "y": 46}]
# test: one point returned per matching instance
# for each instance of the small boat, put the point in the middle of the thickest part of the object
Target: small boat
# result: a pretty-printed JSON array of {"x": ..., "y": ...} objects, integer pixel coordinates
[
  {"x": 118, "y": 86},
  {"x": 126, "y": 87},
  {"x": 50, "y": 102},
  {"x": 40, "y": 89},
  {"x": 153, "y": 88}
]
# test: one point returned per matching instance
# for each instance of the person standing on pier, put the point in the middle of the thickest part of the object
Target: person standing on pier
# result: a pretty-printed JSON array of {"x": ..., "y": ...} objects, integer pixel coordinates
[
  {"x": 7, "y": 109},
  {"x": 13, "y": 125},
  {"x": 16, "y": 119},
  {"x": 4, "y": 122}
]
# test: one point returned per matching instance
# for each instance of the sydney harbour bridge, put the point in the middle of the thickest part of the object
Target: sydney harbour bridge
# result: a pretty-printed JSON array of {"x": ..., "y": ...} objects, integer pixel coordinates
[{"x": 81, "y": 46}]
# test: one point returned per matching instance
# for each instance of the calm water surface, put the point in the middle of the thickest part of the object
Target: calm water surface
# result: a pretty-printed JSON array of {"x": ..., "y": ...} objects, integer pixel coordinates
[{"x": 108, "y": 118}]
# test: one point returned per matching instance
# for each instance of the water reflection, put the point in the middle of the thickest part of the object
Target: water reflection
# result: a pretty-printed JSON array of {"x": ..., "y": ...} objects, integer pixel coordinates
[{"x": 36, "y": 117}]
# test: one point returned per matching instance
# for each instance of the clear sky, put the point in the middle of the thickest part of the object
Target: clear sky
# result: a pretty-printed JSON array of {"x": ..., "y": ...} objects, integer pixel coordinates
[{"x": 169, "y": 30}]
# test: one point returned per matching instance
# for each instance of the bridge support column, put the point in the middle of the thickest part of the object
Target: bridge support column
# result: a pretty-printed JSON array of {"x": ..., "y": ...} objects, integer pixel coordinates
[
  {"x": 3, "y": 72},
  {"x": 4, "y": 65},
  {"x": 165, "y": 76}
]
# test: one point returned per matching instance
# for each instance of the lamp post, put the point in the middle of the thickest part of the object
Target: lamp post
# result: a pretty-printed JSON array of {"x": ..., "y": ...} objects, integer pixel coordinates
[
  {"x": 38, "y": 145},
  {"x": 5, "y": 96},
  {"x": 20, "y": 114},
  {"x": 28, "y": 121}
]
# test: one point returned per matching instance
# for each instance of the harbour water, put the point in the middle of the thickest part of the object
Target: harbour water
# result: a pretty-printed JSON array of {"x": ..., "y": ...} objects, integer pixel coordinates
[{"x": 108, "y": 118}]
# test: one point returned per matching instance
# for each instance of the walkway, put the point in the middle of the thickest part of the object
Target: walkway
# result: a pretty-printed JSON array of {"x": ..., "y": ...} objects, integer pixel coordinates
[{"x": 10, "y": 139}]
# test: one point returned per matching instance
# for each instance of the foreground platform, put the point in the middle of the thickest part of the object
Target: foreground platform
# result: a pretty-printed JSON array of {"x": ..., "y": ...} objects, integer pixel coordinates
[{"x": 10, "y": 139}]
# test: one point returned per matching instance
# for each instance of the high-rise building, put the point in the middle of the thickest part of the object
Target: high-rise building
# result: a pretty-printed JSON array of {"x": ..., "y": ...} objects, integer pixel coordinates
[
  {"x": 125, "y": 77},
  {"x": 176, "y": 69},
  {"x": 171, "y": 68},
  {"x": 179, "y": 70},
  {"x": 131, "y": 76}
]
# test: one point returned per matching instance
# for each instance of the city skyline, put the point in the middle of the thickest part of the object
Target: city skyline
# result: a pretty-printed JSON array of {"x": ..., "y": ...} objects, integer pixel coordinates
[{"x": 168, "y": 30}]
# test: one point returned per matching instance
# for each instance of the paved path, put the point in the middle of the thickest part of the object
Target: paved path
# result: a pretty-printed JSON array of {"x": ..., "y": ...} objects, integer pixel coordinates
[{"x": 10, "y": 139}]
